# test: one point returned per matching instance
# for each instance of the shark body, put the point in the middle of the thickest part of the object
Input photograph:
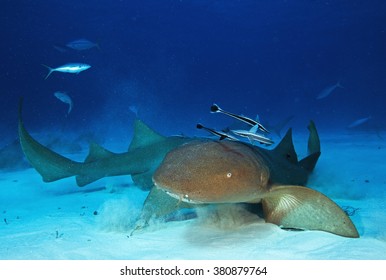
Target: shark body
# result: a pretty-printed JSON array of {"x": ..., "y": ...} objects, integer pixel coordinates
[
  {"x": 145, "y": 162},
  {"x": 145, "y": 153},
  {"x": 213, "y": 172}
]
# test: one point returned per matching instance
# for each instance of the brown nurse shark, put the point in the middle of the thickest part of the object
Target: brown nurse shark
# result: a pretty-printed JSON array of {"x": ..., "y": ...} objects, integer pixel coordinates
[
  {"x": 184, "y": 173},
  {"x": 205, "y": 171}
]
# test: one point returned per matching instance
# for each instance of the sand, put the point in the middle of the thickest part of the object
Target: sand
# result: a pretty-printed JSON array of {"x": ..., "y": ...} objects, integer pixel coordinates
[{"x": 60, "y": 221}]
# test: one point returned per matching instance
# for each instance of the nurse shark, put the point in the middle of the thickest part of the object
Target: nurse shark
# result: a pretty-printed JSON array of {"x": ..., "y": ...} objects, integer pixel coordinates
[{"x": 183, "y": 172}]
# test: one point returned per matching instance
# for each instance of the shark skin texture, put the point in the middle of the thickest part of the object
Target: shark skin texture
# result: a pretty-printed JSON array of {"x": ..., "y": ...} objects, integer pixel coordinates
[{"x": 275, "y": 178}]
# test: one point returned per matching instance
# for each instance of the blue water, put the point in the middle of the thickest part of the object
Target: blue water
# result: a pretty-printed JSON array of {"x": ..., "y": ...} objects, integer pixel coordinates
[
  {"x": 173, "y": 59},
  {"x": 168, "y": 61}
]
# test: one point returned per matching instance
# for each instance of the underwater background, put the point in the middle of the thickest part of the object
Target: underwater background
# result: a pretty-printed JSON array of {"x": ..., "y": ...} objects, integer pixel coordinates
[
  {"x": 166, "y": 62},
  {"x": 170, "y": 60}
]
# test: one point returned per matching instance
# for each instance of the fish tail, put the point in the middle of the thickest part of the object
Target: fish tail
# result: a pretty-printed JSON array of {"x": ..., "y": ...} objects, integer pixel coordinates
[
  {"x": 50, "y": 165},
  {"x": 49, "y": 72},
  {"x": 309, "y": 162},
  {"x": 215, "y": 108},
  {"x": 70, "y": 108}
]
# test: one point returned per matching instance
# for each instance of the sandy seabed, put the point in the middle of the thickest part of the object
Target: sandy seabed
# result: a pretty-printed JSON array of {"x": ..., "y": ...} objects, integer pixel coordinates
[{"x": 60, "y": 221}]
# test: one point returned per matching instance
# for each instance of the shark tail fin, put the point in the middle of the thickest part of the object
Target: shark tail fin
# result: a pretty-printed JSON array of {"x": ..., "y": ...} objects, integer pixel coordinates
[
  {"x": 285, "y": 149},
  {"x": 309, "y": 162},
  {"x": 297, "y": 207},
  {"x": 50, "y": 165},
  {"x": 50, "y": 70}
]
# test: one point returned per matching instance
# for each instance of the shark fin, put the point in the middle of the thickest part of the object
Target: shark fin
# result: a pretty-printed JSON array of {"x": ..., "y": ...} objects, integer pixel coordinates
[
  {"x": 50, "y": 165},
  {"x": 97, "y": 152},
  {"x": 309, "y": 162},
  {"x": 285, "y": 149},
  {"x": 144, "y": 135},
  {"x": 158, "y": 204},
  {"x": 144, "y": 180},
  {"x": 313, "y": 139},
  {"x": 303, "y": 208},
  {"x": 83, "y": 180}
]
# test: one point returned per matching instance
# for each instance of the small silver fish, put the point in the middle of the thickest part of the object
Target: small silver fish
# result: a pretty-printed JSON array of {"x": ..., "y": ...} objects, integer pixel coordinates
[
  {"x": 253, "y": 136},
  {"x": 328, "y": 90},
  {"x": 359, "y": 122},
  {"x": 74, "y": 68},
  {"x": 82, "y": 44},
  {"x": 216, "y": 109},
  {"x": 62, "y": 96}
]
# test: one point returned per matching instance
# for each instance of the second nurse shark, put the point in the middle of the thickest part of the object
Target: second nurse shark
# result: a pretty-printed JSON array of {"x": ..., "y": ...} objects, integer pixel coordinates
[{"x": 184, "y": 172}]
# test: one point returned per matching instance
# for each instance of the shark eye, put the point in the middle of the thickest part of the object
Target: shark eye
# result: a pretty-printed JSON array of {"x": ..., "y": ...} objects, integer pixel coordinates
[
  {"x": 186, "y": 198},
  {"x": 229, "y": 174}
]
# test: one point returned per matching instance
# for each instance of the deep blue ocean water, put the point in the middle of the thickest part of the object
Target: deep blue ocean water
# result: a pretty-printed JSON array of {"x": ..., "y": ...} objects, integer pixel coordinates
[{"x": 170, "y": 60}]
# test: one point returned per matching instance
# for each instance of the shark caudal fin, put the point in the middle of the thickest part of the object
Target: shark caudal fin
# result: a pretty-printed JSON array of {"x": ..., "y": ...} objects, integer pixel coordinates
[
  {"x": 310, "y": 161},
  {"x": 296, "y": 207},
  {"x": 313, "y": 139},
  {"x": 285, "y": 149},
  {"x": 50, "y": 165}
]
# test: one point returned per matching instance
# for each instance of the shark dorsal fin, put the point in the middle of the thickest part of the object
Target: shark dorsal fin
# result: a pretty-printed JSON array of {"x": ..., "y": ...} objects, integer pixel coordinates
[
  {"x": 144, "y": 135},
  {"x": 285, "y": 148},
  {"x": 97, "y": 152}
]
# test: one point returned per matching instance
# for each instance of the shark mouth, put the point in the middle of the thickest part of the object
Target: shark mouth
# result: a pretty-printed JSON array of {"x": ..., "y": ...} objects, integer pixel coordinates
[
  {"x": 184, "y": 198},
  {"x": 180, "y": 197}
]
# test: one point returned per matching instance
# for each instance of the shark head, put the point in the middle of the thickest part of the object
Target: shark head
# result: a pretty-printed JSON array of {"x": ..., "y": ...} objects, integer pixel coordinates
[{"x": 205, "y": 171}]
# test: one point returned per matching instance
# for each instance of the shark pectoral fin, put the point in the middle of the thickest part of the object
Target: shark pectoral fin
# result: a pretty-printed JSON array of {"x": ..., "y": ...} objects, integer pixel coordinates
[
  {"x": 303, "y": 208},
  {"x": 159, "y": 204},
  {"x": 144, "y": 180}
]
